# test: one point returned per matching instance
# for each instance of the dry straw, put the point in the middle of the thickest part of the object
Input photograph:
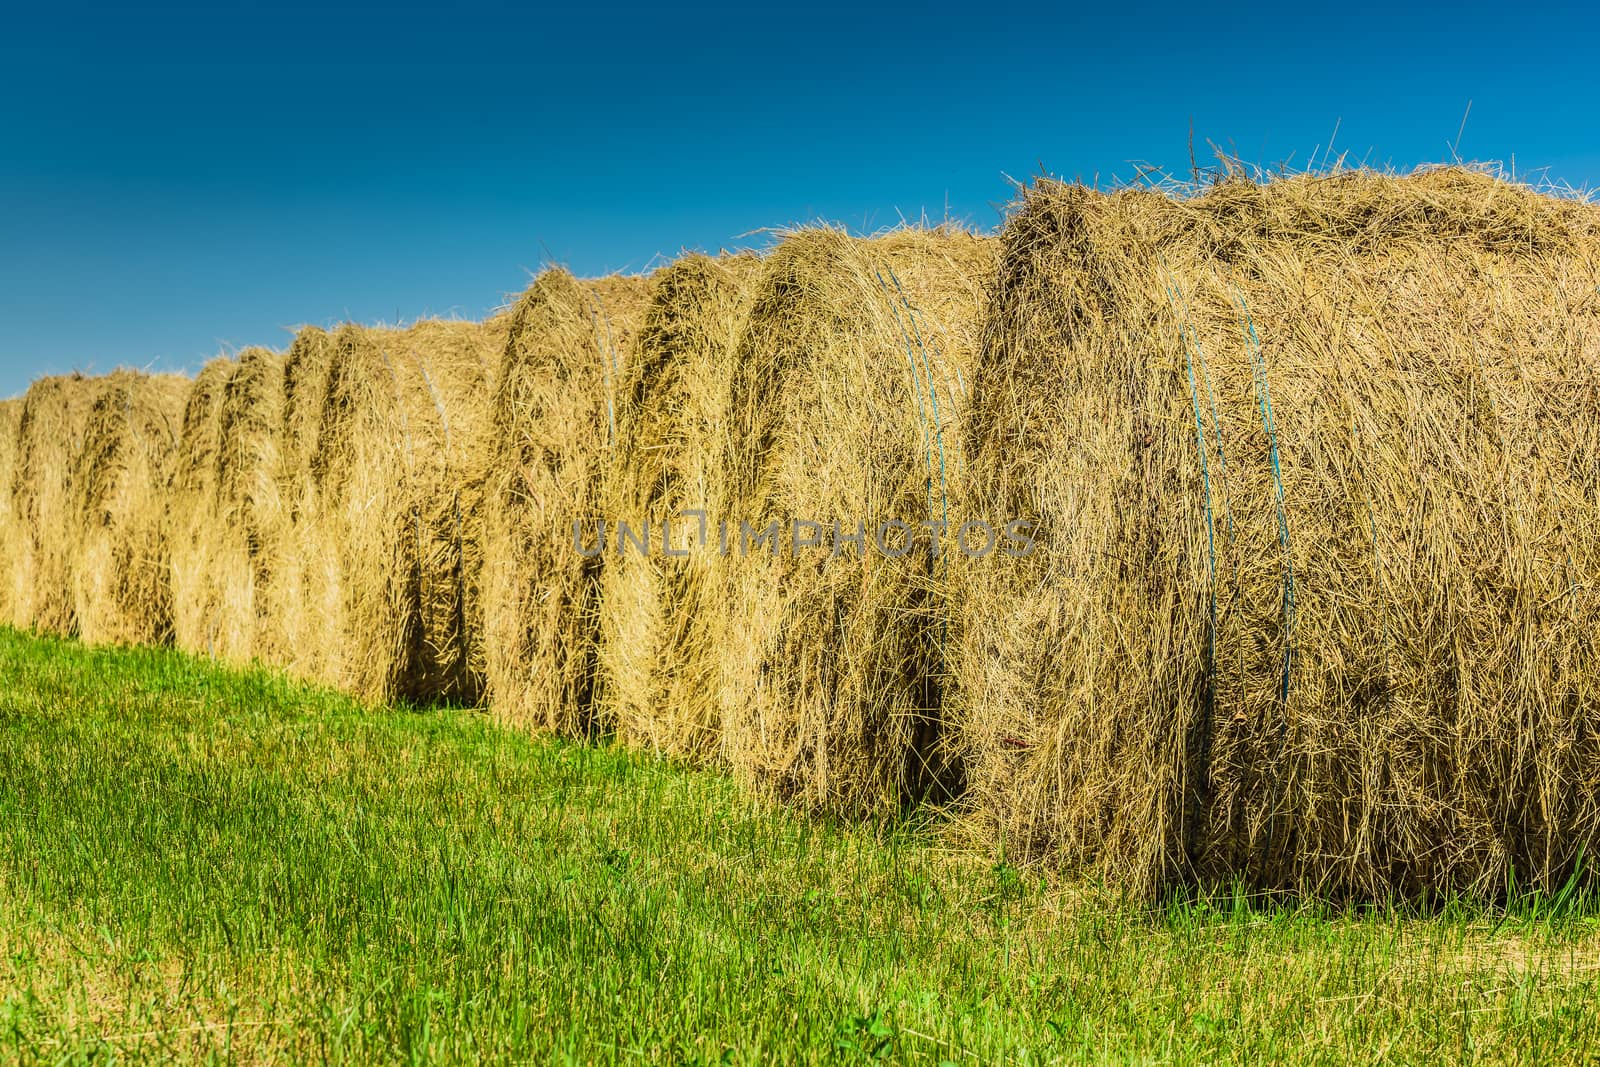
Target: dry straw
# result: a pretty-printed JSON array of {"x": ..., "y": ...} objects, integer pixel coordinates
[
  {"x": 250, "y": 518},
  {"x": 226, "y": 513},
  {"x": 122, "y": 593},
  {"x": 193, "y": 517},
  {"x": 398, "y": 501},
  {"x": 659, "y": 667},
  {"x": 845, "y": 406},
  {"x": 304, "y": 594},
  {"x": 11, "y": 531},
  {"x": 1315, "y": 464},
  {"x": 554, "y": 422},
  {"x": 50, "y": 434}
]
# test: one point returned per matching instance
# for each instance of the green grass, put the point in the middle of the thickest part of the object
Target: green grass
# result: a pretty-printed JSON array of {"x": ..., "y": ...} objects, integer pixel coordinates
[{"x": 200, "y": 864}]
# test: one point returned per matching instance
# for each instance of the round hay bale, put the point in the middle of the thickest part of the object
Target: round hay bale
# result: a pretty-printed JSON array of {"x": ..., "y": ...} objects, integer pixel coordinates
[
  {"x": 50, "y": 434},
  {"x": 1315, "y": 467},
  {"x": 305, "y": 387},
  {"x": 554, "y": 420},
  {"x": 844, "y": 408},
  {"x": 397, "y": 503},
  {"x": 11, "y": 532},
  {"x": 250, "y": 513},
  {"x": 304, "y": 594},
  {"x": 658, "y": 667},
  {"x": 121, "y": 582},
  {"x": 193, "y": 516}
]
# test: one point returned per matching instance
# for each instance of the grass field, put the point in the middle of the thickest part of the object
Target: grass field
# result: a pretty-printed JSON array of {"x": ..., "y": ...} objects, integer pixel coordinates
[{"x": 199, "y": 864}]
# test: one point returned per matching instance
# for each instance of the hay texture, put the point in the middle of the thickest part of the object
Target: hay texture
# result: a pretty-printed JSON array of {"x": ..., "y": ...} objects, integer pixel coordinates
[
  {"x": 1315, "y": 464},
  {"x": 122, "y": 592},
  {"x": 50, "y": 435},
  {"x": 659, "y": 669},
  {"x": 305, "y": 593},
  {"x": 554, "y": 424},
  {"x": 11, "y": 532},
  {"x": 193, "y": 518},
  {"x": 845, "y": 407},
  {"x": 249, "y": 511},
  {"x": 226, "y": 510},
  {"x": 396, "y": 501}
]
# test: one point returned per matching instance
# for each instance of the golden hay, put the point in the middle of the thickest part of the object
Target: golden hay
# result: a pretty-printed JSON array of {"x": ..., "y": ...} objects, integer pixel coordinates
[
  {"x": 658, "y": 669},
  {"x": 192, "y": 511},
  {"x": 398, "y": 498},
  {"x": 249, "y": 511},
  {"x": 1315, "y": 465},
  {"x": 304, "y": 595},
  {"x": 55, "y": 412},
  {"x": 554, "y": 420},
  {"x": 845, "y": 406},
  {"x": 122, "y": 592},
  {"x": 11, "y": 531}
]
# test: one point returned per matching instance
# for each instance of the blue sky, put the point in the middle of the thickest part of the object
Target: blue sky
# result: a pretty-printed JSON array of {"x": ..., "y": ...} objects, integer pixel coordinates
[{"x": 176, "y": 181}]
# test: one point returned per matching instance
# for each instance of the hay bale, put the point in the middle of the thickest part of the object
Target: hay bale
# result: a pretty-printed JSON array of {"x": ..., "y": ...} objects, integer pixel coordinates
[
  {"x": 192, "y": 511},
  {"x": 658, "y": 669},
  {"x": 121, "y": 586},
  {"x": 50, "y": 434},
  {"x": 249, "y": 510},
  {"x": 1315, "y": 467},
  {"x": 554, "y": 421},
  {"x": 11, "y": 531},
  {"x": 305, "y": 594},
  {"x": 844, "y": 407},
  {"x": 398, "y": 496},
  {"x": 305, "y": 387}
]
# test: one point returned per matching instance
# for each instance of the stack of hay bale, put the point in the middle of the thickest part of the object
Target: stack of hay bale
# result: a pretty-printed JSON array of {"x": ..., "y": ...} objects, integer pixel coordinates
[{"x": 1308, "y": 469}]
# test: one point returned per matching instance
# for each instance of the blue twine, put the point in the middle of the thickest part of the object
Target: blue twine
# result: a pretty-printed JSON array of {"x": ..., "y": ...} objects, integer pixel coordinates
[
  {"x": 1269, "y": 422},
  {"x": 1205, "y": 478},
  {"x": 1186, "y": 325}
]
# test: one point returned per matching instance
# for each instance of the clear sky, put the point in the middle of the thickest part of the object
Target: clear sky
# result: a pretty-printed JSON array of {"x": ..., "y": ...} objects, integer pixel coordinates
[{"x": 176, "y": 181}]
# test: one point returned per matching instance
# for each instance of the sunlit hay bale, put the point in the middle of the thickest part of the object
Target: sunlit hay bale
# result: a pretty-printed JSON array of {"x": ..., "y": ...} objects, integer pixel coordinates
[
  {"x": 845, "y": 407},
  {"x": 305, "y": 386},
  {"x": 250, "y": 516},
  {"x": 11, "y": 533},
  {"x": 304, "y": 592},
  {"x": 393, "y": 456},
  {"x": 50, "y": 433},
  {"x": 452, "y": 593},
  {"x": 121, "y": 565},
  {"x": 554, "y": 420},
  {"x": 471, "y": 477},
  {"x": 1315, "y": 464},
  {"x": 193, "y": 515},
  {"x": 659, "y": 668}
]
